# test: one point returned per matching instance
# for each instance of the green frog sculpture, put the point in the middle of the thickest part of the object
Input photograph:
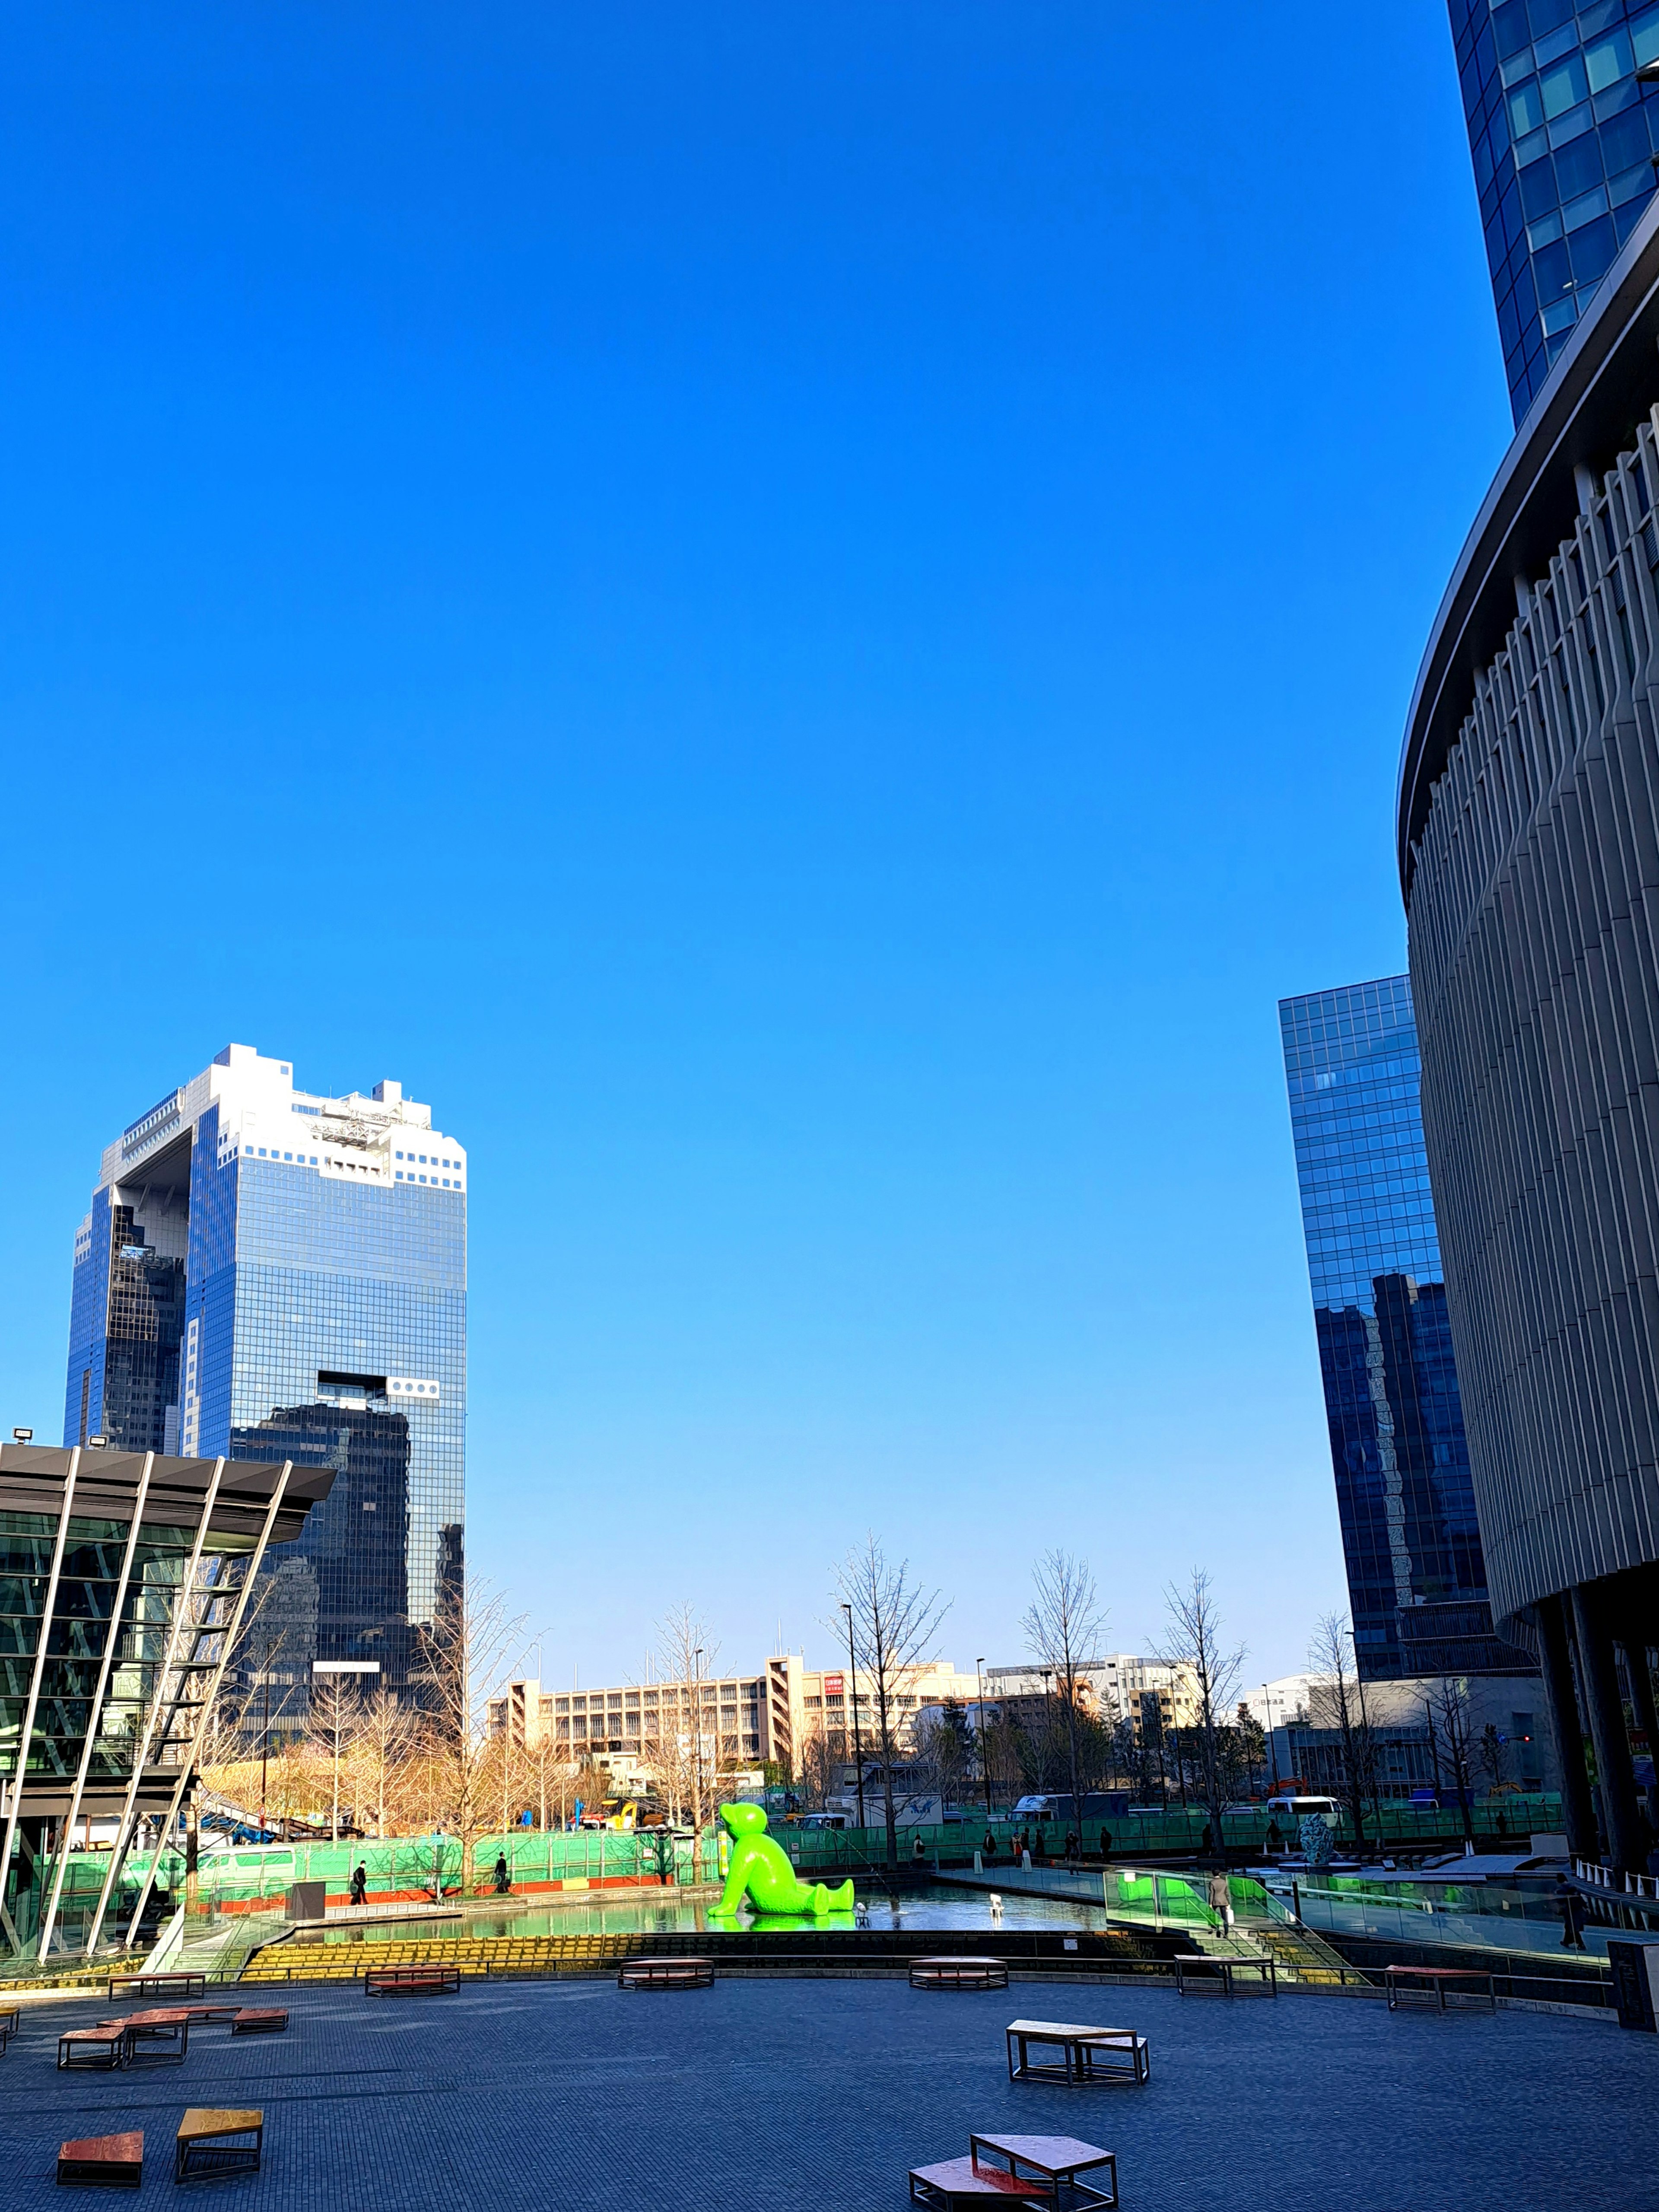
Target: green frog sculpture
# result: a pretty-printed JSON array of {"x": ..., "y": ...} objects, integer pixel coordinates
[{"x": 760, "y": 1872}]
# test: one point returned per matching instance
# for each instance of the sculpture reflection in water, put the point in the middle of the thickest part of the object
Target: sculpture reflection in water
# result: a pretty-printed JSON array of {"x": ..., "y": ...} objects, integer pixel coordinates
[{"x": 760, "y": 1872}]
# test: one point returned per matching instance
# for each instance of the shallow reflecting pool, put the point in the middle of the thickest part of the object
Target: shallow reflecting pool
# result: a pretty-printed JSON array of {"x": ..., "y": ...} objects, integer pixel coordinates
[{"x": 934, "y": 1907}]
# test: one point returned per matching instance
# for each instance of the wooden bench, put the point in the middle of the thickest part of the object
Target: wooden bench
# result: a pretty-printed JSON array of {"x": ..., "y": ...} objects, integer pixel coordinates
[
  {"x": 158, "y": 1985},
  {"x": 1467, "y": 1987},
  {"x": 108, "y": 2046},
  {"x": 1204, "y": 1972},
  {"x": 9, "y": 2018},
  {"x": 114, "y": 2161},
  {"x": 1042, "y": 2169},
  {"x": 200, "y": 2014},
  {"x": 959, "y": 1974},
  {"x": 411, "y": 1981},
  {"x": 253, "y": 2020},
  {"x": 167, "y": 2026},
  {"x": 1087, "y": 2054},
  {"x": 678, "y": 1973},
  {"x": 208, "y": 2143}
]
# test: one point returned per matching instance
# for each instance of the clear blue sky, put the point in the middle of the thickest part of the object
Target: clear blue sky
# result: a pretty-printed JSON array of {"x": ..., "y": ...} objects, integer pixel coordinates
[{"x": 801, "y": 618}]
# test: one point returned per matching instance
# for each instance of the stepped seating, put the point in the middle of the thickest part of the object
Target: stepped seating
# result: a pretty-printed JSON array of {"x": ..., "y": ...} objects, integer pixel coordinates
[{"x": 469, "y": 1956}]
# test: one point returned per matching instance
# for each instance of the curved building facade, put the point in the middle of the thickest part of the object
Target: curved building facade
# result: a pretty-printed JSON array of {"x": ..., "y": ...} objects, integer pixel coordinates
[{"x": 1529, "y": 847}]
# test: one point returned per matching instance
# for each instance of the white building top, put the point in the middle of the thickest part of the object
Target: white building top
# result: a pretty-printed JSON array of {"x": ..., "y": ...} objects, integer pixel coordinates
[{"x": 379, "y": 1139}]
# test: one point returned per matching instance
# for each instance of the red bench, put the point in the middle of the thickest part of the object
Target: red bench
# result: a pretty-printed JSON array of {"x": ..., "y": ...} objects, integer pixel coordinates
[
  {"x": 258, "y": 2020},
  {"x": 116, "y": 2161},
  {"x": 409, "y": 1981}
]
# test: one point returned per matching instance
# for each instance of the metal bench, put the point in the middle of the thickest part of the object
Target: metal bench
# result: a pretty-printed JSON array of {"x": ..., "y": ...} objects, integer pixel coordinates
[
  {"x": 167, "y": 2026},
  {"x": 1041, "y": 2169},
  {"x": 959, "y": 1974},
  {"x": 411, "y": 1981},
  {"x": 114, "y": 2161},
  {"x": 254, "y": 2020},
  {"x": 1201, "y": 1971},
  {"x": 212, "y": 2141},
  {"x": 1087, "y": 2054},
  {"x": 108, "y": 2046},
  {"x": 1468, "y": 1988},
  {"x": 158, "y": 1985},
  {"x": 677, "y": 1974}
]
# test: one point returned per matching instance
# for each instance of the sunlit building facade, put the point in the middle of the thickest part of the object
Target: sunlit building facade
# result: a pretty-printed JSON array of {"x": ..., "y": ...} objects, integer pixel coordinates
[{"x": 277, "y": 1274}]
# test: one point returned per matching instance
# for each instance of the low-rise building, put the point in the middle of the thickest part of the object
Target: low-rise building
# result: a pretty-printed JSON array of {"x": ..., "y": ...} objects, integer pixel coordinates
[{"x": 774, "y": 1717}]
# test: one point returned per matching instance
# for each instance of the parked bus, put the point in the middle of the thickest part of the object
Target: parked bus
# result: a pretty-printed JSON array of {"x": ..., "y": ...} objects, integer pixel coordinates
[{"x": 1097, "y": 1805}]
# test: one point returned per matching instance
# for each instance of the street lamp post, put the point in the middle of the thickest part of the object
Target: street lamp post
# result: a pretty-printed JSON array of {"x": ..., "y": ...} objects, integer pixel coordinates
[
  {"x": 696, "y": 1746},
  {"x": 984, "y": 1762},
  {"x": 1268, "y": 1708},
  {"x": 852, "y": 1698},
  {"x": 1048, "y": 1723}
]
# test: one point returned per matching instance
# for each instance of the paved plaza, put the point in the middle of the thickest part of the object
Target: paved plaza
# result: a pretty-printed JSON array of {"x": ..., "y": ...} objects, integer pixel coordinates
[{"x": 821, "y": 2093}]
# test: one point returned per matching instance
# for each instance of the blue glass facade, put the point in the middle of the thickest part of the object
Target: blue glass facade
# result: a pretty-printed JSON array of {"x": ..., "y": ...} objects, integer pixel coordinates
[
  {"x": 319, "y": 1317},
  {"x": 1562, "y": 136},
  {"x": 1416, "y": 1580}
]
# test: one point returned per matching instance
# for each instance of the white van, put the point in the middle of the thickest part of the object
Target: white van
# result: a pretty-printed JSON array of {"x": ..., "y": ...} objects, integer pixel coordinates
[{"x": 1297, "y": 1810}]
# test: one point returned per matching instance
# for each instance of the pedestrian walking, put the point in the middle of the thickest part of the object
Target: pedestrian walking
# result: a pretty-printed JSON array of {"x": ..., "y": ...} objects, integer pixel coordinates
[
  {"x": 990, "y": 1844},
  {"x": 1572, "y": 1915},
  {"x": 360, "y": 1886},
  {"x": 1221, "y": 1898},
  {"x": 917, "y": 1851},
  {"x": 1105, "y": 1843},
  {"x": 1071, "y": 1845},
  {"x": 503, "y": 1880}
]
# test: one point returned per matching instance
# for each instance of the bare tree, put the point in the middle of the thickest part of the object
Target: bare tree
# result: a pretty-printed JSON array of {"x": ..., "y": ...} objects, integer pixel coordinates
[
  {"x": 893, "y": 1623},
  {"x": 1063, "y": 1627},
  {"x": 333, "y": 1718},
  {"x": 1337, "y": 1701},
  {"x": 945, "y": 1751},
  {"x": 474, "y": 1645},
  {"x": 1453, "y": 1721},
  {"x": 1194, "y": 1637},
  {"x": 684, "y": 1752},
  {"x": 818, "y": 1762},
  {"x": 385, "y": 1734}
]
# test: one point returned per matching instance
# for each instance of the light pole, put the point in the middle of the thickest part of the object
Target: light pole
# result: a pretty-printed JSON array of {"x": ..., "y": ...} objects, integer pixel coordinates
[
  {"x": 1268, "y": 1708},
  {"x": 1048, "y": 1723},
  {"x": 853, "y": 1696},
  {"x": 984, "y": 1762},
  {"x": 696, "y": 1747}
]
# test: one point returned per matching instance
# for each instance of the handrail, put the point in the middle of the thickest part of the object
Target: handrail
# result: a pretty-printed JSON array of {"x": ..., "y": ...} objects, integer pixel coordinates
[{"x": 1597, "y": 1876}]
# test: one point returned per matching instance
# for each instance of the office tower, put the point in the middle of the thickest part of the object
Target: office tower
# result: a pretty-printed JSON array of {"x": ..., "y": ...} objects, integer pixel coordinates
[
  {"x": 1528, "y": 838},
  {"x": 1417, "y": 1583},
  {"x": 271, "y": 1273},
  {"x": 1563, "y": 132}
]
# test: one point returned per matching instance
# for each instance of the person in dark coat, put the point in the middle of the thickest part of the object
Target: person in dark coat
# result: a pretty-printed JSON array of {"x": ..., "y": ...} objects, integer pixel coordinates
[
  {"x": 503, "y": 1880},
  {"x": 1572, "y": 1915},
  {"x": 360, "y": 1886}
]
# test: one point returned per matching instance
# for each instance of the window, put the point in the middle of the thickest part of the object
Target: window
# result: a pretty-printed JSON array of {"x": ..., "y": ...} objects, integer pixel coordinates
[
  {"x": 1608, "y": 60},
  {"x": 1526, "y": 108},
  {"x": 1578, "y": 166},
  {"x": 1562, "y": 86}
]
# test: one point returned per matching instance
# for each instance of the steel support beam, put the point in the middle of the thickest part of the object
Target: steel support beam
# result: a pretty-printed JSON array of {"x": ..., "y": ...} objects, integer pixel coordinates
[
  {"x": 123, "y": 1834},
  {"x": 228, "y": 1640},
  {"x": 97, "y": 1715},
  {"x": 27, "y": 1732}
]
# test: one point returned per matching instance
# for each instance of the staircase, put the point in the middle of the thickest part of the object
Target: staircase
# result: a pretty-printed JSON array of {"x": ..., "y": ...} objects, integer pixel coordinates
[{"x": 1301, "y": 1956}]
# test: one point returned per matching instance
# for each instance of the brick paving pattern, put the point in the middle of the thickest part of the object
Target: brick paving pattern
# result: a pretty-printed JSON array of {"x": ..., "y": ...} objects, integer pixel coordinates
[{"x": 821, "y": 2094}]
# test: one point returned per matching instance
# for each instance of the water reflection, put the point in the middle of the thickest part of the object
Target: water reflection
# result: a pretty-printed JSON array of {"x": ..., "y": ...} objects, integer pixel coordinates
[{"x": 938, "y": 1907}]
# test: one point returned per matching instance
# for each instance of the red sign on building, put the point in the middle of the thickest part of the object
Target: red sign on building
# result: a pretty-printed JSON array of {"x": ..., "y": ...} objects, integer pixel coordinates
[{"x": 834, "y": 1686}]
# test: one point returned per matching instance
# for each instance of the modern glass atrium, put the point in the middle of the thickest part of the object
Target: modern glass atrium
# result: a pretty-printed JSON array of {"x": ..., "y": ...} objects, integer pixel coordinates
[{"x": 124, "y": 1581}]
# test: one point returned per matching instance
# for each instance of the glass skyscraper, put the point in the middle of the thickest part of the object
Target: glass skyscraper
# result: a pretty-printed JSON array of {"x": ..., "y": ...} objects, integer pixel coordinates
[
  {"x": 269, "y": 1273},
  {"x": 1417, "y": 1583},
  {"x": 1562, "y": 130}
]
